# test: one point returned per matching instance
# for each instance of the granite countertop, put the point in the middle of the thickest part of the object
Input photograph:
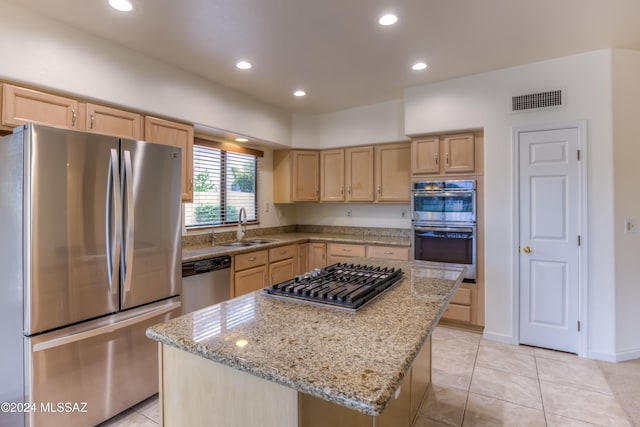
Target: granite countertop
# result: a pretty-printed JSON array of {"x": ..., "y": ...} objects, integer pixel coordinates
[
  {"x": 356, "y": 360},
  {"x": 195, "y": 253}
]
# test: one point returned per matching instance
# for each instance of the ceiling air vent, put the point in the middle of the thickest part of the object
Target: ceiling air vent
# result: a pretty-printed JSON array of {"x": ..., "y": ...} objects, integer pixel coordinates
[{"x": 536, "y": 101}]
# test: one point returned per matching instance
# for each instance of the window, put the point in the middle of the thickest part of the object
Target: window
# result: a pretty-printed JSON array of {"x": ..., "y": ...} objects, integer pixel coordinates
[{"x": 224, "y": 181}]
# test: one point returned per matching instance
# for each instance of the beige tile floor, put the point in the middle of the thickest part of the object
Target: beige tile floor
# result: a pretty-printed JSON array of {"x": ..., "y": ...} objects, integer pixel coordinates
[{"x": 477, "y": 382}]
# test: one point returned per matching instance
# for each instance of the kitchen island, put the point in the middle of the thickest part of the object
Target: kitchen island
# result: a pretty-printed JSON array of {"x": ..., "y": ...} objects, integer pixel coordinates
[{"x": 259, "y": 361}]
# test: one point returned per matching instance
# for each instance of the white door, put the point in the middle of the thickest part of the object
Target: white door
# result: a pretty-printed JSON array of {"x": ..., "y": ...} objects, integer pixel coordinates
[{"x": 549, "y": 245}]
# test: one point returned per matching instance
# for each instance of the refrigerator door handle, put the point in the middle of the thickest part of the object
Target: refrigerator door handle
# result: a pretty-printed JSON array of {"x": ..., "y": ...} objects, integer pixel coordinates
[
  {"x": 128, "y": 248},
  {"x": 113, "y": 218},
  {"x": 71, "y": 338}
]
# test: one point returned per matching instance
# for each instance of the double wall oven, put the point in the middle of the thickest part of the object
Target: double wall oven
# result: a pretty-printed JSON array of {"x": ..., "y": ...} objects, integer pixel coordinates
[{"x": 444, "y": 223}]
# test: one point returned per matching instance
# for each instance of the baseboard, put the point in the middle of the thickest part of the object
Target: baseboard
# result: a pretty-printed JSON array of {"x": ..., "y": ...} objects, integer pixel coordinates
[
  {"x": 462, "y": 326},
  {"x": 507, "y": 339},
  {"x": 614, "y": 357}
]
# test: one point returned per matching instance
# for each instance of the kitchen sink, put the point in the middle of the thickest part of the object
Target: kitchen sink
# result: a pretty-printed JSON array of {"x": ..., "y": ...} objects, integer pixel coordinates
[{"x": 244, "y": 243}]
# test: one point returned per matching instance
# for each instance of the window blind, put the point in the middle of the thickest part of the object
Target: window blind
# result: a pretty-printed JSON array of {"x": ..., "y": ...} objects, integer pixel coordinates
[{"x": 223, "y": 183}]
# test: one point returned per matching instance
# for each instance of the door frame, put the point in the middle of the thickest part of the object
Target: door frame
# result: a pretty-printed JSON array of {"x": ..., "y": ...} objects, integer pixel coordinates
[{"x": 583, "y": 252}]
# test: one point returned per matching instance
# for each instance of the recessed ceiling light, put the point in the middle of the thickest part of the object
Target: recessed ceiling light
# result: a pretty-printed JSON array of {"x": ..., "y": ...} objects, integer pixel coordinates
[
  {"x": 299, "y": 93},
  {"x": 241, "y": 140},
  {"x": 388, "y": 19},
  {"x": 243, "y": 65},
  {"x": 418, "y": 66},
  {"x": 121, "y": 5}
]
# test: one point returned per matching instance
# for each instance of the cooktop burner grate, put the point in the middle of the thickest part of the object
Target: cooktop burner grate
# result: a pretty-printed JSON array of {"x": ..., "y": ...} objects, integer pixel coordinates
[{"x": 345, "y": 286}]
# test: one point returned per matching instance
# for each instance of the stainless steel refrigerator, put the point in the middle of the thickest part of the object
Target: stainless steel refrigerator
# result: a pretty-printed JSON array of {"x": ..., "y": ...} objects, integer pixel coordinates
[{"x": 90, "y": 255}]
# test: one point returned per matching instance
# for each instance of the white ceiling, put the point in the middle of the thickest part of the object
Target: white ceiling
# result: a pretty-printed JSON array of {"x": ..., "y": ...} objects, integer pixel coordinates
[{"x": 336, "y": 51}]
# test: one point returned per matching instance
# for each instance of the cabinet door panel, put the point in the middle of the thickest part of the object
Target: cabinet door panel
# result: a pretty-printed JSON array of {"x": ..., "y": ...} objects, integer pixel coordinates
[
  {"x": 425, "y": 155},
  {"x": 20, "y": 105},
  {"x": 112, "y": 121},
  {"x": 303, "y": 258},
  {"x": 305, "y": 176},
  {"x": 393, "y": 176},
  {"x": 178, "y": 135},
  {"x": 282, "y": 270},
  {"x": 459, "y": 152},
  {"x": 250, "y": 280},
  {"x": 359, "y": 174},
  {"x": 317, "y": 256},
  {"x": 332, "y": 176}
]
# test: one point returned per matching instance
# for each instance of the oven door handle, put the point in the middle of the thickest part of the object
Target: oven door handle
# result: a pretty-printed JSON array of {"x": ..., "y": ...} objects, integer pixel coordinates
[
  {"x": 465, "y": 193},
  {"x": 437, "y": 228}
]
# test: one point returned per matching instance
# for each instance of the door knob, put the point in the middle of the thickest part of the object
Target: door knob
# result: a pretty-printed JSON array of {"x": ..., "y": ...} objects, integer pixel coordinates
[{"x": 527, "y": 249}]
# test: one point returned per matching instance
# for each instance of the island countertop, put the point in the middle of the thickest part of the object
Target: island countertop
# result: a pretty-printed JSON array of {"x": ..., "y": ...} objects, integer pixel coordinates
[{"x": 356, "y": 360}]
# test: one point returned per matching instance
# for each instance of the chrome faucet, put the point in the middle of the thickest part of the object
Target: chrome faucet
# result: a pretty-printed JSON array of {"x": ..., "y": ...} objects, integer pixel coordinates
[{"x": 242, "y": 228}]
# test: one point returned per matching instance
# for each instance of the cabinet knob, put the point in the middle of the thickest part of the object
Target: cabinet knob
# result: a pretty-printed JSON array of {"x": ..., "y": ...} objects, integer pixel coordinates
[
  {"x": 252, "y": 258},
  {"x": 73, "y": 117}
]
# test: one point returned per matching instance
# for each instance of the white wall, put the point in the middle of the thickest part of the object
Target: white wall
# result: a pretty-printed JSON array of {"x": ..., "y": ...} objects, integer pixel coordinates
[
  {"x": 483, "y": 101},
  {"x": 370, "y": 124},
  {"x": 45, "y": 53},
  {"x": 362, "y": 215},
  {"x": 626, "y": 112}
]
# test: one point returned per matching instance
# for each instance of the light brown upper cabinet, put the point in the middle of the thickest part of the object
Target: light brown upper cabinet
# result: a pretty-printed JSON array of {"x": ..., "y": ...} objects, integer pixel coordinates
[
  {"x": 296, "y": 176},
  {"x": 113, "y": 121},
  {"x": 21, "y": 105},
  {"x": 332, "y": 175},
  {"x": 448, "y": 154},
  {"x": 175, "y": 134},
  {"x": 347, "y": 175},
  {"x": 359, "y": 174},
  {"x": 392, "y": 172}
]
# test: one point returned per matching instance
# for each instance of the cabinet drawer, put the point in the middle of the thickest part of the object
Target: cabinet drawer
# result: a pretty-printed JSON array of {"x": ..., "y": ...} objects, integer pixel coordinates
[
  {"x": 462, "y": 297},
  {"x": 283, "y": 252},
  {"x": 460, "y": 313},
  {"x": 251, "y": 259},
  {"x": 249, "y": 280},
  {"x": 388, "y": 252},
  {"x": 346, "y": 250}
]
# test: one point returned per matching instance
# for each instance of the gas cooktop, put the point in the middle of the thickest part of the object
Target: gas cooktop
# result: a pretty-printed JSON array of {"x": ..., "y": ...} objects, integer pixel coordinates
[{"x": 345, "y": 286}]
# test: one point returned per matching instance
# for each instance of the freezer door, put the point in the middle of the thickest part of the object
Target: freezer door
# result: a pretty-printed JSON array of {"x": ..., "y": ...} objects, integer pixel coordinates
[
  {"x": 99, "y": 368},
  {"x": 151, "y": 255},
  {"x": 70, "y": 229}
]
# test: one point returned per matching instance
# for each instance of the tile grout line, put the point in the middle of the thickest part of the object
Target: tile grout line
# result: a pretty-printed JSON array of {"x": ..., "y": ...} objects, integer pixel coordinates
[
  {"x": 473, "y": 370},
  {"x": 544, "y": 411}
]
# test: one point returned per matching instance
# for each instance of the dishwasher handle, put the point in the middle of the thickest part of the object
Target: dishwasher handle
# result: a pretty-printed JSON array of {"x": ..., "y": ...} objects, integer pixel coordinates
[{"x": 192, "y": 268}]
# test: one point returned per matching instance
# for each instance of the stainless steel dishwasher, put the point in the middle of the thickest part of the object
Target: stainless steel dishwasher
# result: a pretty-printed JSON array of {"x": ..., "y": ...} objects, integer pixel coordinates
[{"x": 205, "y": 282}]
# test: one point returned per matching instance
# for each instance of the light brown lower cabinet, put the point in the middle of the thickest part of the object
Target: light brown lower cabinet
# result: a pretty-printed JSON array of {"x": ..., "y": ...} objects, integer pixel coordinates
[
  {"x": 283, "y": 262},
  {"x": 399, "y": 253},
  {"x": 341, "y": 252},
  {"x": 460, "y": 307},
  {"x": 317, "y": 256},
  {"x": 234, "y": 398},
  {"x": 250, "y": 272}
]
